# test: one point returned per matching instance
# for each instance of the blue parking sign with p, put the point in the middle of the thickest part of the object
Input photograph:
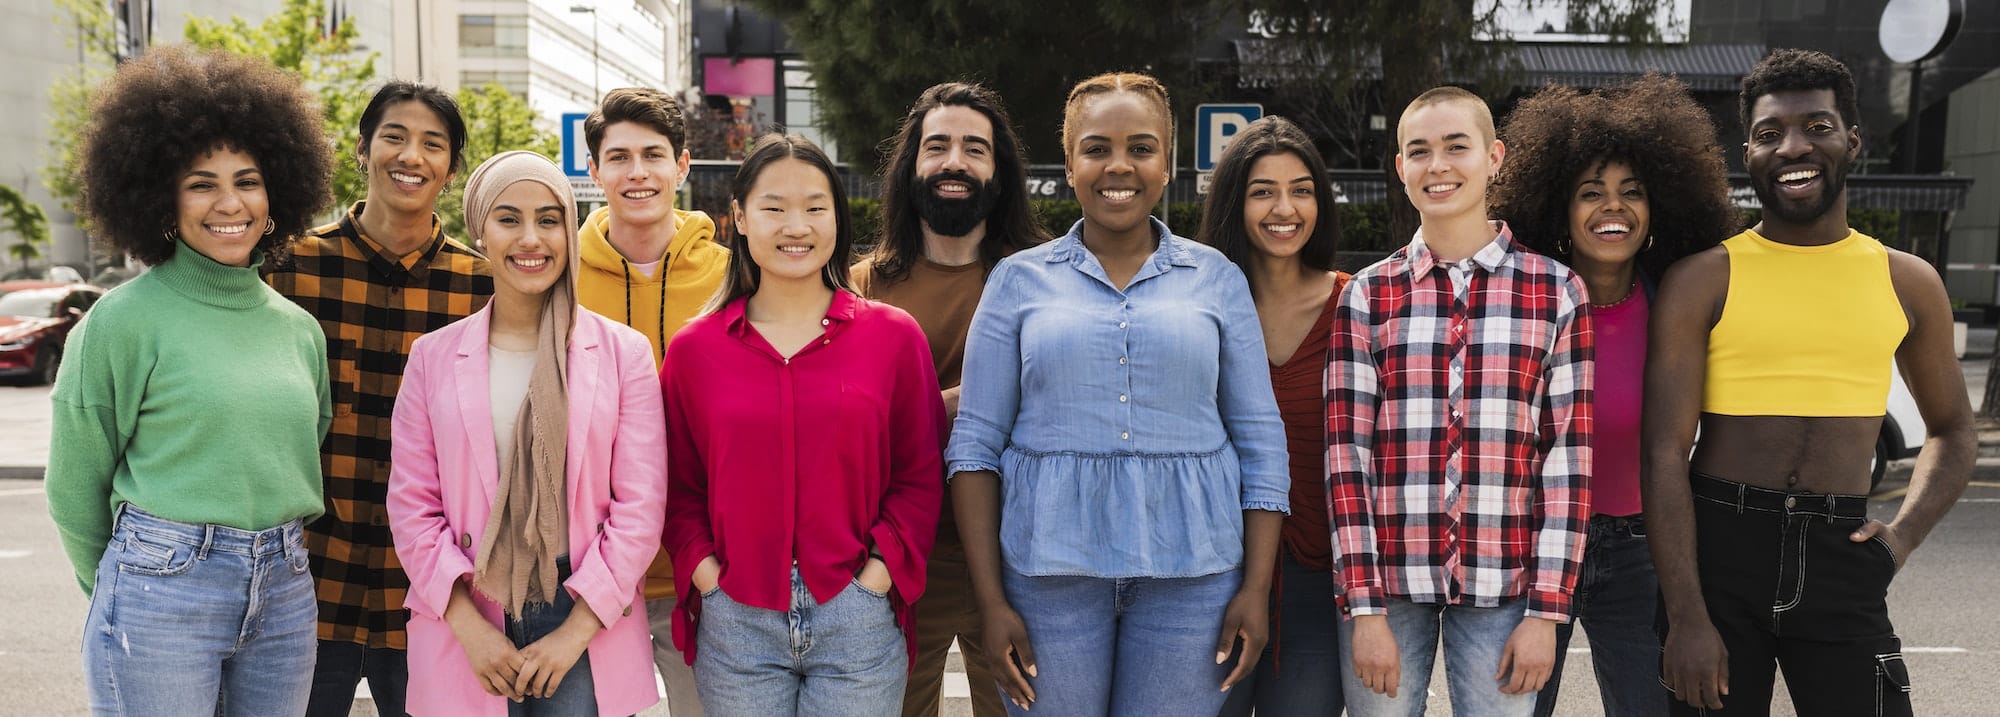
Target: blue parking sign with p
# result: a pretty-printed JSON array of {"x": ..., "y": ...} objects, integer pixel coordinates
[
  {"x": 575, "y": 153},
  {"x": 1214, "y": 125}
]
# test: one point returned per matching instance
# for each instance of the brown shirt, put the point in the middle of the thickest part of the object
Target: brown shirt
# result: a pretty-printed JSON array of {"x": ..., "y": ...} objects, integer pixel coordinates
[
  {"x": 942, "y": 299},
  {"x": 1300, "y": 384}
]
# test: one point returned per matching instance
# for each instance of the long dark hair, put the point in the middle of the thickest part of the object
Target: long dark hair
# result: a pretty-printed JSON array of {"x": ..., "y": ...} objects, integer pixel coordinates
[
  {"x": 744, "y": 275},
  {"x": 1010, "y": 228},
  {"x": 1222, "y": 214}
]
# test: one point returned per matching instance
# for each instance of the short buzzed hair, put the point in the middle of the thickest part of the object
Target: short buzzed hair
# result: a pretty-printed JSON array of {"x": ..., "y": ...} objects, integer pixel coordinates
[{"x": 1482, "y": 114}]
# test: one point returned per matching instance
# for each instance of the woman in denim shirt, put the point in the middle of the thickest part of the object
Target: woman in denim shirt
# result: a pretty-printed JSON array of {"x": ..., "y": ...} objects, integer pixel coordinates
[{"x": 1118, "y": 436}]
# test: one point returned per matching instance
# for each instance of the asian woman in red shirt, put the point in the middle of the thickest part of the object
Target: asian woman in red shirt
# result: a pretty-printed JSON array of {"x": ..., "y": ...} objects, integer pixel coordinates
[{"x": 805, "y": 434}]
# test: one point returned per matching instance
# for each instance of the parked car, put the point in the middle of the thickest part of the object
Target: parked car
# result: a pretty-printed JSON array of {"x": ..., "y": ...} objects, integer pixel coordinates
[
  {"x": 1902, "y": 429},
  {"x": 35, "y": 319}
]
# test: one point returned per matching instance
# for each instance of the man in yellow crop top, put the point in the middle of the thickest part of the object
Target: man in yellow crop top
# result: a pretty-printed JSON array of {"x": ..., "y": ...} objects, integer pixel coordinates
[{"x": 1779, "y": 344}]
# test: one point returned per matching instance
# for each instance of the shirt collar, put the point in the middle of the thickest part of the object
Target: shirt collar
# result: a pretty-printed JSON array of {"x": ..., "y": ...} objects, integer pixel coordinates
[
  {"x": 414, "y": 264},
  {"x": 1172, "y": 250},
  {"x": 736, "y": 316},
  {"x": 1491, "y": 257}
]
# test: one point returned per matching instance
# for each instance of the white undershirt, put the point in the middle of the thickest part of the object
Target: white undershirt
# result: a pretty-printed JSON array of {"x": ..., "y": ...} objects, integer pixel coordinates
[
  {"x": 507, "y": 389},
  {"x": 647, "y": 268}
]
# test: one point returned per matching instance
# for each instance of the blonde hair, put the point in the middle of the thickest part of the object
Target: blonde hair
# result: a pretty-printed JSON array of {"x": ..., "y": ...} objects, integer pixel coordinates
[
  {"x": 1481, "y": 114},
  {"x": 1140, "y": 84}
]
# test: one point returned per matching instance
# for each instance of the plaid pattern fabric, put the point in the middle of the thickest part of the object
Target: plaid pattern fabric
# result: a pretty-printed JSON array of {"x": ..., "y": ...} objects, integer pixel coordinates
[
  {"x": 1458, "y": 430},
  {"x": 372, "y": 308}
]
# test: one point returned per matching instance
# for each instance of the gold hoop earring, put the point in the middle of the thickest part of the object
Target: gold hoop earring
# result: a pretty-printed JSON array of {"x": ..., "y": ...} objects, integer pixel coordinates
[
  {"x": 1562, "y": 247},
  {"x": 270, "y": 225},
  {"x": 173, "y": 234},
  {"x": 1649, "y": 243}
]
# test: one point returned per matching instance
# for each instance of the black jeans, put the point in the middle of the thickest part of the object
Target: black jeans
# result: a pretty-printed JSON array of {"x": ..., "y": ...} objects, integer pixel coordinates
[
  {"x": 342, "y": 665},
  {"x": 1785, "y": 586}
]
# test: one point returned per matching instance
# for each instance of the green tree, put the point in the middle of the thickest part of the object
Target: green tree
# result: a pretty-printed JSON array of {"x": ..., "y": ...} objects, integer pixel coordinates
[
  {"x": 873, "y": 57},
  {"x": 296, "y": 39},
  {"x": 495, "y": 121},
  {"x": 25, "y": 220},
  {"x": 1338, "y": 57},
  {"x": 87, "y": 24}
]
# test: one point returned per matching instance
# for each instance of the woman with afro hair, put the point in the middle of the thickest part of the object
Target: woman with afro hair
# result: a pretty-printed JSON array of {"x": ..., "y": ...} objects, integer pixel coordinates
[
  {"x": 1619, "y": 184},
  {"x": 189, "y": 412}
]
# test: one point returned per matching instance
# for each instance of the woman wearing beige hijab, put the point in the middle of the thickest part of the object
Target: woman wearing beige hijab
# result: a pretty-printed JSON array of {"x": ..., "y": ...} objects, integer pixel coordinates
[{"x": 528, "y": 484}]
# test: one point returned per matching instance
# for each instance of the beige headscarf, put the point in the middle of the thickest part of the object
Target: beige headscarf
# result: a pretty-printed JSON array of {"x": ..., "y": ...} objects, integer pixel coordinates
[{"x": 516, "y": 564}]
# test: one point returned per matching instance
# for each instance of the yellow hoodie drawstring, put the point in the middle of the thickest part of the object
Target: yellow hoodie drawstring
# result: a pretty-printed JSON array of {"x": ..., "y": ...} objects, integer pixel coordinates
[{"x": 661, "y": 330}]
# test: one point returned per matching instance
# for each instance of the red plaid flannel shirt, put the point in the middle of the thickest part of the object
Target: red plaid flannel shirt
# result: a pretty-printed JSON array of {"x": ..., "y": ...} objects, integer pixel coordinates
[{"x": 1458, "y": 430}]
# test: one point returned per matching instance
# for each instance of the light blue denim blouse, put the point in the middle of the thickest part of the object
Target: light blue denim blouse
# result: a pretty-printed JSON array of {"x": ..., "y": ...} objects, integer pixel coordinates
[{"x": 1130, "y": 429}]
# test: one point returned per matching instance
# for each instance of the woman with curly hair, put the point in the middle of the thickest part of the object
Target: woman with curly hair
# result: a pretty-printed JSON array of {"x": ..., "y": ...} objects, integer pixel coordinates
[
  {"x": 1619, "y": 184},
  {"x": 188, "y": 415}
]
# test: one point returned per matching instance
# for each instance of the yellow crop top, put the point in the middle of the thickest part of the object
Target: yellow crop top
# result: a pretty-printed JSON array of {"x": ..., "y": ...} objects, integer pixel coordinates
[{"x": 1805, "y": 330}]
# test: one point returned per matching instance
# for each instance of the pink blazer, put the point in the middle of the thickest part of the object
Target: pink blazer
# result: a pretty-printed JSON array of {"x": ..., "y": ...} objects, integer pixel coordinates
[{"x": 441, "y": 491}]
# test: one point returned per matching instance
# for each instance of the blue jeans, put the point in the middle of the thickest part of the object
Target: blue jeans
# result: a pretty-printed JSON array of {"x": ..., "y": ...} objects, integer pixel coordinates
[
  {"x": 1617, "y": 595},
  {"x": 846, "y": 656},
  {"x": 577, "y": 695},
  {"x": 343, "y": 664},
  {"x": 1474, "y": 638},
  {"x": 1143, "y": 647},
  {"x": 200, "y": 620},
  {"x": 1297, "y": 674}
]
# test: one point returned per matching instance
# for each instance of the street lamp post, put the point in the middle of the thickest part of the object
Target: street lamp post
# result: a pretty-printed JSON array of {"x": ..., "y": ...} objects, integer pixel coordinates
[{"x": 596, "y": 94}]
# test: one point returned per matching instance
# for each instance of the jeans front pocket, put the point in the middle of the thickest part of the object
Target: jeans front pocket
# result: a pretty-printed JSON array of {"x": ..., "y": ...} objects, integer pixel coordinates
[
  {"x": 856, "y": 582},
  {"x": 138, "y": 555}
]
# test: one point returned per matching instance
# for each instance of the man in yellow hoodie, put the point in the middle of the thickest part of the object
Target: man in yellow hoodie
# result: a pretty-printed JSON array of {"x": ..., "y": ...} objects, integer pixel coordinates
[{"x": 651, "y": 266}]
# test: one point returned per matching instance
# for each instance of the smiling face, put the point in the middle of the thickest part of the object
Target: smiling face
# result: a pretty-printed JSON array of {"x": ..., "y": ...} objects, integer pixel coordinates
[
  {"x": 1609, "y": 217},
  {"x": 789, "y": 221},
  {"x": 526, "y": 236},
  {"x": 1447, "y": 159},
  {"x": 222, "y": 209},
  {"x": 1118, "y": 160},
  {"x": 1280, "y": 205},
  {"x": 952, "y": 183},
  {"x": 1798, "y": 153},
  {"x": 408, "y": 160},
  {"x": 639, "y": 169}
]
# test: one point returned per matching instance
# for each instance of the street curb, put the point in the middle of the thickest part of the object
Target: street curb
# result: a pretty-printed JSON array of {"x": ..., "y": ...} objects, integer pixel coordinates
[{"x": 22, "y": 472}]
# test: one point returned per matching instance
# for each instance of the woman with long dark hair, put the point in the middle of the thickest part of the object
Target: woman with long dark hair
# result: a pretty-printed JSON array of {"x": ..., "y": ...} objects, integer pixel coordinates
[
  {"x": 804, "y": 426},
  {"x": 1271, "y": 210}
]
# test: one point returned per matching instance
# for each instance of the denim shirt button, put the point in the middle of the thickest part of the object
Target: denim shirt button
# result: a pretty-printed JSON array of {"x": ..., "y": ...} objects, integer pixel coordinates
[
  {"x": 1125, "y": 436},
  {"x": 1121, "y": 324},
  {"x": 1121, "y": 360},
  {"x": 1123, "y": 398}
]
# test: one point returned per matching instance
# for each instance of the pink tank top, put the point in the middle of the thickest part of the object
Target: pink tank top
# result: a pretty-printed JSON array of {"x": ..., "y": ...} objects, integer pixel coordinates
[{"x": 1619, "y": 394}]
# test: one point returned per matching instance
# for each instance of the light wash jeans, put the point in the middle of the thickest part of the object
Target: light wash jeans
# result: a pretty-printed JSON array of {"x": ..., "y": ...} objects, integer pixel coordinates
[
  {"x": 1474, "y": 638},
  {"x": 1132, "y": 647},
  {"x": 577, "y": 695},
  {"x": 846, "y": 656},
  {"x": 200, "y": 620}
]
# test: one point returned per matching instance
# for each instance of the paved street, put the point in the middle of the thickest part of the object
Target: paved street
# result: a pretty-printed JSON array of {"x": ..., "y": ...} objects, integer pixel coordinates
[{"x": 1944, "y": 602}]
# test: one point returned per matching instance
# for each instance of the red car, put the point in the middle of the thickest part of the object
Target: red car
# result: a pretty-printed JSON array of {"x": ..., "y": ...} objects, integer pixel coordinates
[{"x": 35, "y": 318}]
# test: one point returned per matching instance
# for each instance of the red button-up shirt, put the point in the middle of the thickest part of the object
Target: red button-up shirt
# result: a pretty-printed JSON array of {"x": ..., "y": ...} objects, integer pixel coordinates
[{"x": 814, "y": 458}]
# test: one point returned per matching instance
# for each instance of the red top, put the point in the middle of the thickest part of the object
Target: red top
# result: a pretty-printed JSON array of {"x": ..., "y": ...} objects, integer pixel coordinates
[
  {"x": 1300, "y": 383},
  {"x": 813, "y": 459}
]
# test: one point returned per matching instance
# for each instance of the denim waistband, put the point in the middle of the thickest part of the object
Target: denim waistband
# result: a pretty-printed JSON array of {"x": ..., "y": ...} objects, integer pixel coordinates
[
  {"x": 210, "y": 538},
  {"x": 1749, "y": 497},
  {"x": 1634, "y": 524}
]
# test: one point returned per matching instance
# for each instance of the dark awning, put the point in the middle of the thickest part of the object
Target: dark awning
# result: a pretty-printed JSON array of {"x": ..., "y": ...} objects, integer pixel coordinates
[{"x": 1263, "y": 63}]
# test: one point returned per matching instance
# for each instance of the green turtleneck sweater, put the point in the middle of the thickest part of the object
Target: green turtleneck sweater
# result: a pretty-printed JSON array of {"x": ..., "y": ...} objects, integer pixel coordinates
[{"x": 194, "y": 393}]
